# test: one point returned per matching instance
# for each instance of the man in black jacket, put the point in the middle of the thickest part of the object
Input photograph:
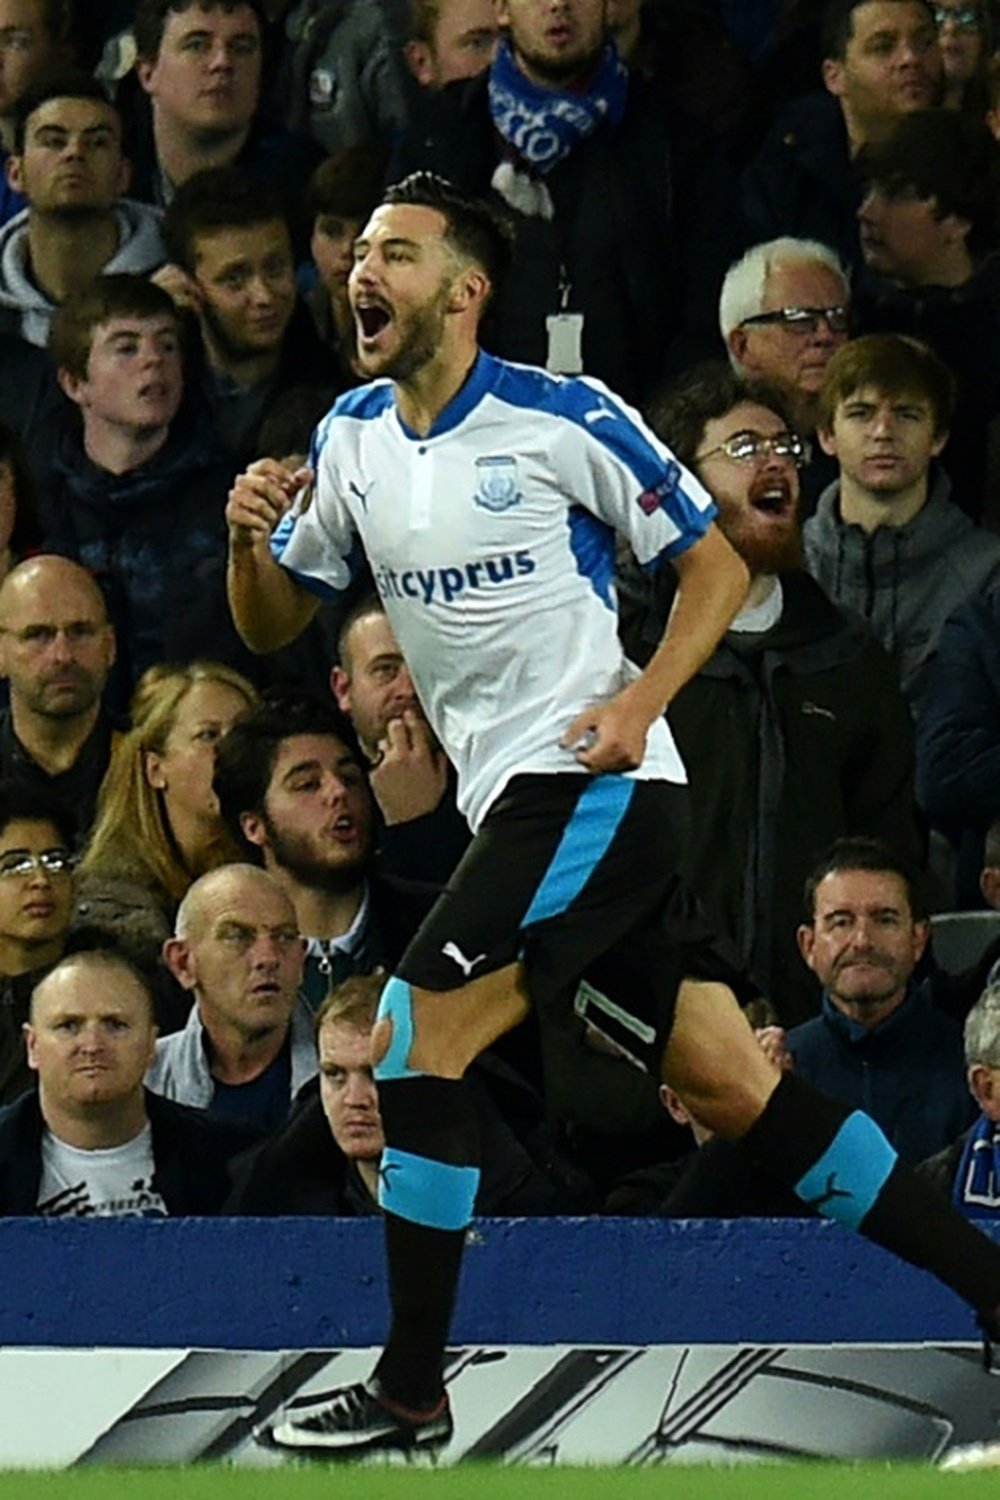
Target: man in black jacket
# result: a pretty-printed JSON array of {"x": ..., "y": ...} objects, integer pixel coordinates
[
  {"x": 623, "y": 207},
  {"x": 91, "y": 1142},
  {"x": 795, "y": 731}
]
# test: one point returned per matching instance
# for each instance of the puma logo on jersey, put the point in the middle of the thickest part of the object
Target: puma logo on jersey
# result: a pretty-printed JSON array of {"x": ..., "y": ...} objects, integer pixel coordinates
[
  {"x": 454, "y": 952},
  {"x": 361, "y": 494},
  {"x": 590, "y": 417}
]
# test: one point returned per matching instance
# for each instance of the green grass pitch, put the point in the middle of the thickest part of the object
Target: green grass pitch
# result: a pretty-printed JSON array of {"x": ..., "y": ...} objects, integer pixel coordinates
[{"x": 815, "y": 1481}]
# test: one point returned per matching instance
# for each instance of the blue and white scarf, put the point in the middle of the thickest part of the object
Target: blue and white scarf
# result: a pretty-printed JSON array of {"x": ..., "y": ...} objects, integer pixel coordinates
[
  {"x": 977, "y": 1181},
  {"x": 540, "y": 126}
]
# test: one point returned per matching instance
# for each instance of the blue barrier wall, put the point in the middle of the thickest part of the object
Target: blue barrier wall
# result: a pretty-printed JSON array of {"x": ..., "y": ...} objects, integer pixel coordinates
[{"x": 312, "y": 1283}]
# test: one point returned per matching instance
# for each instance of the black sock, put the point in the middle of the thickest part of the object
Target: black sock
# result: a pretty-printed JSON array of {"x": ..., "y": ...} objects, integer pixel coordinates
[
  {"x": 839, "y": 1162},
  {"x": 431, "y": 1139}
]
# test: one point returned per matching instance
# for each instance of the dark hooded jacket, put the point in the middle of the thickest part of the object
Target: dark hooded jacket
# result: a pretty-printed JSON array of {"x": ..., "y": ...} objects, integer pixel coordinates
[
  {"x": 904, "y": 580},
  {"x": 792, "y": 738},
  {"x": 155, "y": 539}
]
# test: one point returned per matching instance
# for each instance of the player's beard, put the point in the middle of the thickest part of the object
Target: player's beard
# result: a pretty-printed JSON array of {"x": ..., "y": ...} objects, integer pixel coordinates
[{"x": 420, "y": 339}]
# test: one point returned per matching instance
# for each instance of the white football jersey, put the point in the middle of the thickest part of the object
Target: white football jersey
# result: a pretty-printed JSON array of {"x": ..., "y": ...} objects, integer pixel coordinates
[{"x": 492, "y": 544}]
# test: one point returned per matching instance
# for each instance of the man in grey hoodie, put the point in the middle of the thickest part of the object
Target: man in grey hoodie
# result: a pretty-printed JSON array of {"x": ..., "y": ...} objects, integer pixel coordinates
[
  {"x": 886, "y": 539},
  {"x": 69, "y": 164}
]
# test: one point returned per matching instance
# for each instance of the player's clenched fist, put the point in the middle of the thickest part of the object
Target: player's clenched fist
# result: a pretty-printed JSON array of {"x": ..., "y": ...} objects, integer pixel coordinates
[{"x": 260, "y": 496}]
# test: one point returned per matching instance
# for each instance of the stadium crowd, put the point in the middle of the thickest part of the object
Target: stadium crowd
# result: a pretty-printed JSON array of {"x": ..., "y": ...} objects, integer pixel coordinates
[{"x": 773, "y": 229}]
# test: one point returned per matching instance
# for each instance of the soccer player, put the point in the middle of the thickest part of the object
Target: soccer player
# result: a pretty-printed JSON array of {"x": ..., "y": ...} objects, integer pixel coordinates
[{"x": 485, "y": 495}]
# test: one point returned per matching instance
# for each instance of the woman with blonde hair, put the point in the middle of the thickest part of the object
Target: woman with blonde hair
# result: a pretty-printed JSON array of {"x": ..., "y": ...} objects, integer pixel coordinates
[{"x": 158, "y": 826}]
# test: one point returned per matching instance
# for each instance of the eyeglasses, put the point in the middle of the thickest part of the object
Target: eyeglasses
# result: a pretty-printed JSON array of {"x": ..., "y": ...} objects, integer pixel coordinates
[
  {"x": 18, "y": 865},
  {"x": 802, "y": 320},
  {"x": 748, "y": 447},
  {"x": 965, "y": 20}
]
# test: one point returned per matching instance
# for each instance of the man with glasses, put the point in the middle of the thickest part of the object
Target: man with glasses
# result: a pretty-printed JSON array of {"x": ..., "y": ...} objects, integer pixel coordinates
[
  {"x": 817, "y": 740},
  {"x": 36, "y": 901},
  {"x": 56, "y": 651},
  {"x": 964, "y": 36},
  {"x": 783, "y": 313}
]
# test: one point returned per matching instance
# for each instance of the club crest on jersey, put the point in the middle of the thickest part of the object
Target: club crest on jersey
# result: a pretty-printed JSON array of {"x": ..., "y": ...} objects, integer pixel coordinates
[
  {"x": 498, "y": 489},
  {"x": 652, "y": 499}
]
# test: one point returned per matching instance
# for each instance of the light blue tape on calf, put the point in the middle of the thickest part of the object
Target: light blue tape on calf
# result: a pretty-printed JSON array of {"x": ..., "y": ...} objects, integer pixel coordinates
[
  {"x": 425, "y": 1191},
  {"x": 852, "y": 1171},
  {"x": 396, "y": 1005}
]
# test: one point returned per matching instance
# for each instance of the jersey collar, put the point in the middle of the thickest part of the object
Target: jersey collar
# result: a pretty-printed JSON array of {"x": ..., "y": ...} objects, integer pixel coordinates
[{"x": 477, "y": 383}]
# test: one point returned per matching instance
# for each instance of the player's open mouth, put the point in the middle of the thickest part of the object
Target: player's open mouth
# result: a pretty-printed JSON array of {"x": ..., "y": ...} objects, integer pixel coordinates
[{"x": 372, "y": 318}]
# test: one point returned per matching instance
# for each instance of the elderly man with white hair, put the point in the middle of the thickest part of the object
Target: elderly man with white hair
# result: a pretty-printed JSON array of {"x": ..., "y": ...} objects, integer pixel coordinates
[{"x": 783, "y": 314}]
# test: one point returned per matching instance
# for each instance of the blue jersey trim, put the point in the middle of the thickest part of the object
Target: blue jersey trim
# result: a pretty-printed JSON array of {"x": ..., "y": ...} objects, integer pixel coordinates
[
  {"x": 280, "y": 538},
  {"x": 364, "y": 404},
  {"x": 476, "y": 385},
  {"x": 592, "y": 544},
  {"x": 585, "y": 841},
  {"x": 424, "y": 1191},
  {"x": 852, "y": 1171}
]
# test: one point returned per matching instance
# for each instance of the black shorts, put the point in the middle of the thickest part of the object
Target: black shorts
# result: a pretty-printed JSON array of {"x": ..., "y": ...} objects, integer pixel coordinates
[{"x": 578, "y": 876}]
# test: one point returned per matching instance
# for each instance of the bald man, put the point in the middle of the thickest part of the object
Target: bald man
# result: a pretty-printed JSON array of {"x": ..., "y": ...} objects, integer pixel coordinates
[
  {"x": 56, "y": 650},
  {"x": 249, "y": 1044}
]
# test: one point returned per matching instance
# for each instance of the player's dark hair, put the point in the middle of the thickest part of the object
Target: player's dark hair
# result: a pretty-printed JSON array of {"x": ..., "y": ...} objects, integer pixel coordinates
[
  {"x": 474, "y": 228},
  {"x": 246, "y": 754},
  {"x": 66, "y": 85},
  {"x": 218, "y": 198},
  {"x": 680, "y": 412},
  {"x": 860, "y": 853},
  {"x": 150, "y": 20}
]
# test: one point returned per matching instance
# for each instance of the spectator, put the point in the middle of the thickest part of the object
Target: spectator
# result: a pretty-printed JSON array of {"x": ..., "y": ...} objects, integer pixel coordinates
[
  {"x": 18, "y": 514},
  {"x": 199, "y": 62},
  {"x": 326, "y": 1160},
  {"x": 34, "y": 41},
  {"x": 881, "y": 60},
  {"x": 423, "y": 834},
  {"x": 248, "y": 1046},
  {"x": 622, "y": 206},
  {"x": 886, "y": 540},
  {"x": 783, "y": 314},
  {"x": 67, "y": 160},
  {"x": 232, "y": 265},
  {"x": 135, "y": 488},
  {"x": 291, "y": 787},
  {"x": 450, "y": 40},
  {"x": 341, "y": 196},
  {"x": 92, "y": 1143},
  {"x": 818, "y": 741},
  {"x": 958, "y": 736},
  {"x": 56, "y": 651},
  {"x": 968, "y": 1170},
  {"x": 339, "y": 77},
  {"x": 929, "y": 232},
  {"x": 964, "y": 33},
  {"x": 879, "y": 1044},
  {"x": 36, "y": 899},
  {"x": 158, "y": 826}
]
